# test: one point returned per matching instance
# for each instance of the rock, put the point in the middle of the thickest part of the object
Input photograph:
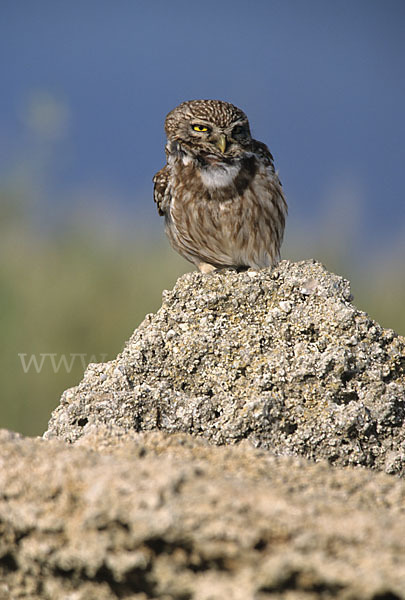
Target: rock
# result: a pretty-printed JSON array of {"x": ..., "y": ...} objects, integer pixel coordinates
[
  {"x": 277, "y": 357},
  {"x": 156, "y": 515},
  {"x": 129, "y": 495}
]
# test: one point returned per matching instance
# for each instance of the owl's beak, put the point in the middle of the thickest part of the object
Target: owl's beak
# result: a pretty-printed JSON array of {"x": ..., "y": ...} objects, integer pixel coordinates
[{"x": 220, "y": 142}]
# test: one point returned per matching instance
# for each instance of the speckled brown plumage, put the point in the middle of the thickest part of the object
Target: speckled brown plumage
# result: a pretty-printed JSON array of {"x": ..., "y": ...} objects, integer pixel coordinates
[{"x": 219, "y": 193}]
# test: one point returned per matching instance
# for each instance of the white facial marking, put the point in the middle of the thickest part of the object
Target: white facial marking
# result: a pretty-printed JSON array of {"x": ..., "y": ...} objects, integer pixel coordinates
[{"x": 220, "y": 175}]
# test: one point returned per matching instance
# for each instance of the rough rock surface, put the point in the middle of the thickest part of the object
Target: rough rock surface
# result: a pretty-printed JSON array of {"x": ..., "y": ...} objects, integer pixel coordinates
[
  {"x": 273, "y": 366},
  {"x": 158, "y": 516},
  {"x": 280, "y": 358}
]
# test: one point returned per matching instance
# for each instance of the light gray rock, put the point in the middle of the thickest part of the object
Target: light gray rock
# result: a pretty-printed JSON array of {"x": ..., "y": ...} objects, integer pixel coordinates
[
  {"x": 277, "y": 357},
  {"x": 168, "y": 516}
]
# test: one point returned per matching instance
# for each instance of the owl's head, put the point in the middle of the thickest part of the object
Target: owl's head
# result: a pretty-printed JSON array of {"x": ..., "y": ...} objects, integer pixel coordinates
[{"x": 209, "y": 127}]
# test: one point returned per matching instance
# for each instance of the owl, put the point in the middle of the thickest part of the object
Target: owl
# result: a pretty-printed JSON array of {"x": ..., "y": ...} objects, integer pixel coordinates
[{"x": 219, "y": 193}]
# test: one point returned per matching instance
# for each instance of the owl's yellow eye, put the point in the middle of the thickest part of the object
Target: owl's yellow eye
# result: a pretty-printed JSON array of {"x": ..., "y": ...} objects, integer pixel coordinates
[{"x": 200, "y": 128}]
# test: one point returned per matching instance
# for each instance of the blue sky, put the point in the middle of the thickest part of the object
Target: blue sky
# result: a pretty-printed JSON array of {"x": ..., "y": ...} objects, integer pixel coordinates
[{"x": 322, "y": 82}]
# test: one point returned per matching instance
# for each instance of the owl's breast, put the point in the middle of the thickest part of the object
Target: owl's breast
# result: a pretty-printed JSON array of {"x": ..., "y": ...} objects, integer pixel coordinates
[
  {"x": 237, "y": 223},
  {"x": 219, "y": 175}
]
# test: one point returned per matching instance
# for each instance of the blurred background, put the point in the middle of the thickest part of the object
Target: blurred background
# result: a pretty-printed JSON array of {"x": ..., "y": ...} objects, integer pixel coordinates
[{"x": 85, "y": 87}]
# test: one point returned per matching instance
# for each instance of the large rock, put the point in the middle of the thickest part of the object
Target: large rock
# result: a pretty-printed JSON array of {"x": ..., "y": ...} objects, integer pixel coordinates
[
  {"x": 278, "y": 357},
  {"x": 158, "y": 516}
]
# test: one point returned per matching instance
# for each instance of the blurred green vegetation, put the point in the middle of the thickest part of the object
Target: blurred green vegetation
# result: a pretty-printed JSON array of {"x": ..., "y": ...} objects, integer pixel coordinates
[
  {"x": 80, "y": 293},
  {"x": 76, "y": 293}
]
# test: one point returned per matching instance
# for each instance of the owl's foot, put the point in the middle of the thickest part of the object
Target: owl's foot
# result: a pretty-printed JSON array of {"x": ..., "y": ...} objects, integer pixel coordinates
[{"x": 206, "y": 267}]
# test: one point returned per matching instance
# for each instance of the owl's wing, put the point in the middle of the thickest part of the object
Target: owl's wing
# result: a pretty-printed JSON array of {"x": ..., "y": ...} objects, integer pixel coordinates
[
  {"x": 261, "y": 150},
  {"x": 161, "y": 192}
]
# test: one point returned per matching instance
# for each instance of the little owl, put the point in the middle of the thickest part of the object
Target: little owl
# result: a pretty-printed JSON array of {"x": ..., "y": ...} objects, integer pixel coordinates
[{"x": 220, "y": 195}]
